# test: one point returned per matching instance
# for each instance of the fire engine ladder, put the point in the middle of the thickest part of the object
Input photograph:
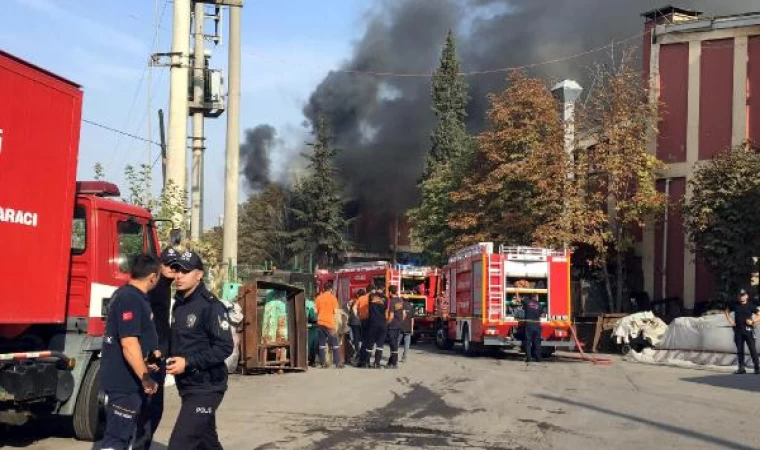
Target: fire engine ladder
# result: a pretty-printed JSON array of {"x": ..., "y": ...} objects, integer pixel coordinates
[
  {"x": 495, "y": 289},
  {"x": 396, "y": 279}
]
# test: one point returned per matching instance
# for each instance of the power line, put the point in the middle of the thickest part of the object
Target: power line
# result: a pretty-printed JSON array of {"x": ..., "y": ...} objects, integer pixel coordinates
[{"x": 120, "y": 132}]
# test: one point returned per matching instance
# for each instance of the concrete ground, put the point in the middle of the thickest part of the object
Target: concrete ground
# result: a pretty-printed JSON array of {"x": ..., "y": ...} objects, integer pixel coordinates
[{"x": 443, "y": 400}]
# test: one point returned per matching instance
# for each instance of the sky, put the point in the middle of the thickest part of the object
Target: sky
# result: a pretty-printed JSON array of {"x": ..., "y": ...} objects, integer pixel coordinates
[{"x": 104, "y": 45}]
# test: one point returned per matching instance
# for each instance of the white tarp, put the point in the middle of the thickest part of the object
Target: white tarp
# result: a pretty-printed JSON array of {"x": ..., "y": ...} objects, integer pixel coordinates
[
  {"x": 695, "y": 341},
  {"x": 651, "y": 328}
]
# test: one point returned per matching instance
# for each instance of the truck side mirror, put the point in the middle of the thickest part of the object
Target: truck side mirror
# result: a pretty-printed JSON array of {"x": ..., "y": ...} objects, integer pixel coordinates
[{"x": 175, "y": 237}]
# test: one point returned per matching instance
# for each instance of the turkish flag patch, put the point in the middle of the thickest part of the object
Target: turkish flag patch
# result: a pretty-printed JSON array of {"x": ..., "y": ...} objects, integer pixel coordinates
[{"x": 126, "y": 315}]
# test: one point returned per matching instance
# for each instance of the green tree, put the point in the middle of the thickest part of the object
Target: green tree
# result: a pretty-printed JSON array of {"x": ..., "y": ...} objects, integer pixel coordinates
[
  {"x": 448, "y": 158},
  {"x": 722, "y": 216},
  {"x": 320, "y": 228},
  {"x": 100, "y": 173},
  {"x": 264, "y": 226}
]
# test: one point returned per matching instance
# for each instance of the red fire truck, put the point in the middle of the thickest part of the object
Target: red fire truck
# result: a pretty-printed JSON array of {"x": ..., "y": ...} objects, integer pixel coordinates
[
  {"x": 65, "y": 247},
  {"x": 418, "y": 285},
  {"x": 481, "y": 304}
]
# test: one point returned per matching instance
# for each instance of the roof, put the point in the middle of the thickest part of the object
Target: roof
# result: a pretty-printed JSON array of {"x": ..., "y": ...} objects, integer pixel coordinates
[
  {"x": 39, "y": 69},
  {"x": 670, "y": 9}
]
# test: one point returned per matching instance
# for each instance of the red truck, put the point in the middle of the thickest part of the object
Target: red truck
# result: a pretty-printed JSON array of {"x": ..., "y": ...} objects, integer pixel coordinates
[
  {"x": 481, "y": 307},
  {"x": 65, "y": 246}
]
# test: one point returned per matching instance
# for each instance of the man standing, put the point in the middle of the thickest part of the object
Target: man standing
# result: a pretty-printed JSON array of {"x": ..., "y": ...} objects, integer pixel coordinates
[
  {"x": 129, "y": 339},
  {"x": 744, "y": 329},
  {"x": 407, "y": 328},
  {"x": 160, "y": 301},
  {"x": 396, "y": 315},
  {"x": 326, "y": 305},
  {"x": 355, "y": 323},
  {"x": 201, "y": 341},
  {"x": 376, "y": 329},
  {"x": 532, "y": 321}
]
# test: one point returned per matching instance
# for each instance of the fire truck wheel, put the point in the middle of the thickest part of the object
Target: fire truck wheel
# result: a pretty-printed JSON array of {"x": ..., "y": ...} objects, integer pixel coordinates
[
  {"x": 468, "y": 347},
  {"x": 89, "y": 418},
  {"x": 442, "y": 340}
]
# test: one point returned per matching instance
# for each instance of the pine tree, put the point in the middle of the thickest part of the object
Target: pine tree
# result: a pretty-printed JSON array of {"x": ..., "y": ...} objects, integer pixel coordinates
[
  {"x": 448, "y": 158},
  {"x": 318, "y": 205},
  {"x": 264, "y": 221}
]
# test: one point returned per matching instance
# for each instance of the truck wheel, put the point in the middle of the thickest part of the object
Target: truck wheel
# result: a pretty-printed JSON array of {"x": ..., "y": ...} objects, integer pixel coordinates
[
  {"x": 547, "y": 353},
  {"x": 442, "y": 340},
  {"x": 467, "y": 345},
  {"x": 89, "y": 417}
]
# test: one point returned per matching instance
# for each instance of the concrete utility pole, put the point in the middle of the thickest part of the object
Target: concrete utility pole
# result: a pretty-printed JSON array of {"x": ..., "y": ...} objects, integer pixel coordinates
[
  {"x": 196, "y": 212},
  {"x": 176, "y": 164},
  {"x": 229, "y": 248},
  {"x": 567, "y": 92}
]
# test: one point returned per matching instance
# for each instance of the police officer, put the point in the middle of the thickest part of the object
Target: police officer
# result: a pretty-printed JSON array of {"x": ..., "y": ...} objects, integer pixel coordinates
[
  {"x": 532, "y": 321},
  {"x": 160, "y": 303},
  {"x": 130, "y": 337},
  {"x": 201, "y": 340},
  {"x": 376, "y": 328},
  {"x": 396, "y": 316},
  {"x": 746, "y": 315}
]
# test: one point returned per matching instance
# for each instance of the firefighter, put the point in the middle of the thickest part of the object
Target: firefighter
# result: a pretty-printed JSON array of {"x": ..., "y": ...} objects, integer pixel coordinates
[
  {"x": 313, "y": 346},
  {"x": 407, "y": 328},
  {"x": 376, "y": 328},
  {"x": 532, "y": 322},
  {"x": 355, "y": 323},
  {"x": 200, "y": 343},
  {"x": 395, "y": 316},
  {"x": 326, "y": 305},
  {"x": 130, "y": 339},
  {"x": 746, "y": 315},
  {"x": 160, "y": 301}
]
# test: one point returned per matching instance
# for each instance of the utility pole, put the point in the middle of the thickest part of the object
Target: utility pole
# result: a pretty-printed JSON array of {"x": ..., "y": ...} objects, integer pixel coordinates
[
  {"x": 176, "y": 164},
  {"x": 196, "y": 213},
  {"x": 229, "y": 248}
]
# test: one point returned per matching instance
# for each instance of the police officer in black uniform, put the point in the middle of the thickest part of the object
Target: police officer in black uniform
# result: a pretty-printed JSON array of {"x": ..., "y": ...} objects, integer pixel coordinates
[
  {"x": 746, "y": 315},
  {"x": 396, "y": 316},
  {"x": 377, "y": 327},
  {"x": 201, "y": 340},
  {"x": 532, "y": 322},
  {"x": 160, "y": 303}
]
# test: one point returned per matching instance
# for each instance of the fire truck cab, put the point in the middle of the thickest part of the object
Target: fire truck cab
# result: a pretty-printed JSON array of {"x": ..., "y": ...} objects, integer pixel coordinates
[
  {"x": 418, "y": 285},
  {"x": 483, "y": 291}
]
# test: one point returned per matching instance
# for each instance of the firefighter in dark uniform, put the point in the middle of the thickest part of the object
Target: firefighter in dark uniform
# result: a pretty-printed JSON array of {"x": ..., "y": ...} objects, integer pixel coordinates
[
  {"x": 376, "y": 329},
  {"x": 160, "y": 303},
  {"x": 201, "y": 340},
  {"x": 532, "y": 327},
  {"x": 396, "y": 315}
]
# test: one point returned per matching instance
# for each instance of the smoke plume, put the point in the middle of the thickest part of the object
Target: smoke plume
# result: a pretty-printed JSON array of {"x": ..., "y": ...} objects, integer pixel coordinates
[{"x": 254, "y": 155}]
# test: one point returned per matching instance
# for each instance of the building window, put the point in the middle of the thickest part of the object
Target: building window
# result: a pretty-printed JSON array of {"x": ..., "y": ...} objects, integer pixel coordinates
[
  {"x": 79, "y": 231},
  {"x": 131, "y": 238}
]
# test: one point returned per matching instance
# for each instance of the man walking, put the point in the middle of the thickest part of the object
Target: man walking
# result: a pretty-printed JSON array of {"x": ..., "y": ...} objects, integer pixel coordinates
[
  {"x": 407, "y": 328},
  {"x": 201, "y": 341},
  {"x": 326, "y": 305},
  {"x": 743, "y": 323},
  {"x": 160, "y": 300},
  {"x": 396, "y": 315},
  {"x": 130, "y": 337}
]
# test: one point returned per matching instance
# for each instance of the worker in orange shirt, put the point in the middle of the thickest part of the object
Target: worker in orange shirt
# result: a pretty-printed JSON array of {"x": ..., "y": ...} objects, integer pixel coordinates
[{"x": 326, "y": 305}]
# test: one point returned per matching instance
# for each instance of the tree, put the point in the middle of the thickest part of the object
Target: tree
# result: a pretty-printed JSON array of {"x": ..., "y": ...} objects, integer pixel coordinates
[
  {"x": 100, "y": 173},
  {"x": 450, "y": 152},
  {"x": 320, "y": 227},
  {"x": 722, "y": 216},
  {"x": 621, "y": 173},
  {"x": 500, "y": 198},
  {"x": 264, "y": 227}
]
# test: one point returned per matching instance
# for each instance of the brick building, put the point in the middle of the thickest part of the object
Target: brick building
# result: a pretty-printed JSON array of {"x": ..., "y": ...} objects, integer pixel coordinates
[{"x": 706, "y": 73}]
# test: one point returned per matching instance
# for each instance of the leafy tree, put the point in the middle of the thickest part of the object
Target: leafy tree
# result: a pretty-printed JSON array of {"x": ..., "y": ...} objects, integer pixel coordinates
[
  {"x": 100, "y": 173},
  {"x": 722, "y": 216},
  {"x": 450, "y": 152},
  {"x": 320, "y": 228},
  {"x": 264, "y": 226},
  {"x": 621, "y": 173}
]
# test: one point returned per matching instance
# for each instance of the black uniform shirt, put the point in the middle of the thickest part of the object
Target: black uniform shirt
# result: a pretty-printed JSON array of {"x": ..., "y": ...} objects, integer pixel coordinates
[
  {"x": 160, "y": 299},
  {"x": 532, "y": 310},
  {"x": 742, "y": 313},
  {"x": 377, "y": 309},
  {"x": 406, "y": 324},
  {"x": 397, "y": 313},
  {"x": 201, "y": 334},
  {"x": 128, "y": 316}
]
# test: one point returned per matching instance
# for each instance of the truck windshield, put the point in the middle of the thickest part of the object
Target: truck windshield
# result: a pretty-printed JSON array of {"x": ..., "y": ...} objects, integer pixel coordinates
[{"x": 131, "y": 238}]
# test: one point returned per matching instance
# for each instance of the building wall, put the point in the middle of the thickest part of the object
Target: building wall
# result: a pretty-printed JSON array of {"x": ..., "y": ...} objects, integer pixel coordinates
[{"x": 707, "y": 79}]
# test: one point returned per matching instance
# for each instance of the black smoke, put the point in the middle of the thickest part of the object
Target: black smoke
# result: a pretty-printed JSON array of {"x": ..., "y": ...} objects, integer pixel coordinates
[{"x": 255, "y": 155}]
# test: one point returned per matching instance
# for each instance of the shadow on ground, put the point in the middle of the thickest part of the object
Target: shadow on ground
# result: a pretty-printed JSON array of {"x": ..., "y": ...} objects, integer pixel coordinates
[
  {"x": 709, "y": 439},
  {"x": 748, "y": 382}
]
